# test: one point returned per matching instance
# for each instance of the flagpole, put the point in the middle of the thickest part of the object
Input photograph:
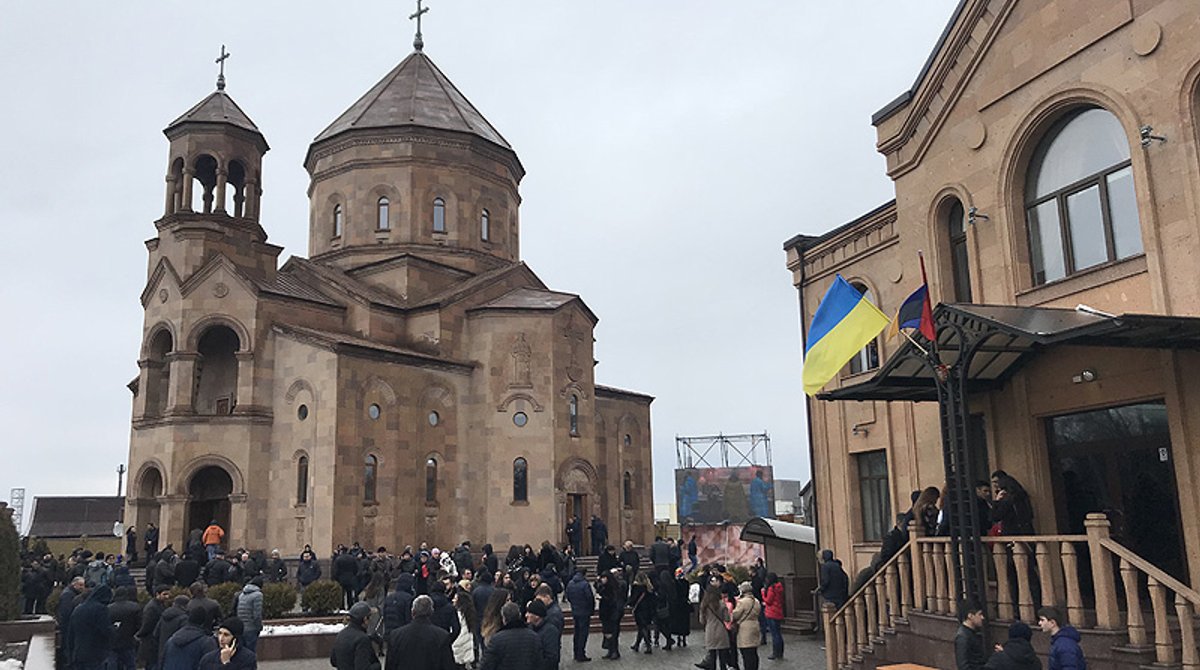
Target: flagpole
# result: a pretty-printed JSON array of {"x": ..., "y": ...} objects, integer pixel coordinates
[
  {"x": 914, "y": 342},
  {"x": 925, "y": 280}
]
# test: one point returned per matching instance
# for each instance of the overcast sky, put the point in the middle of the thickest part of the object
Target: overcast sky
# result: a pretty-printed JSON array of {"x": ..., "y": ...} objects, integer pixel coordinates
[{"x": 671, "y": 148}]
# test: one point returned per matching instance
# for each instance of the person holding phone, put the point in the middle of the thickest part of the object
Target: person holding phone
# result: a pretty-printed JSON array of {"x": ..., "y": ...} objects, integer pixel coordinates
[{"x": 230, "y": 654}]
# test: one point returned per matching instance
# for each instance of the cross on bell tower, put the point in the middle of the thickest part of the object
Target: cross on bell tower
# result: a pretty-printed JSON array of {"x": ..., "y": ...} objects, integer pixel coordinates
[
  {"x": 418, "y": 43},
  {"x": 221, "y": 61}
]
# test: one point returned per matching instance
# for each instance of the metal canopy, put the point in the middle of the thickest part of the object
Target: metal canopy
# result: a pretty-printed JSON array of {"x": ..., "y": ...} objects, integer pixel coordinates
[
  {"x": 1011, "y": 335},
  {"x": 759, "y": 529}
]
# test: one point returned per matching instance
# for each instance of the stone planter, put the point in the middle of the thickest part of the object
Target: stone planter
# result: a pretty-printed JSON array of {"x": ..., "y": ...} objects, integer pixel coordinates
[{"x": 20, "y": 630}]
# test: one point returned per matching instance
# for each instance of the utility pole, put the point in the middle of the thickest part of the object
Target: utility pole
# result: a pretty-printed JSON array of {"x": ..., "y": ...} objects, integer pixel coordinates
[{"x": 120, "y": 477}]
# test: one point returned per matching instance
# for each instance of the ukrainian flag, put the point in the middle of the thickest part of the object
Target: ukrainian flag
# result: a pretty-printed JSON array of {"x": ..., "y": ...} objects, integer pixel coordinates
[{"x": 845, "y": 322}]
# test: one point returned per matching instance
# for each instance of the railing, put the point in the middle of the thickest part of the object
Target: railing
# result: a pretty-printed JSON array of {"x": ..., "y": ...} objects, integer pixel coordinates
[{"x": 1028, "y": 570}]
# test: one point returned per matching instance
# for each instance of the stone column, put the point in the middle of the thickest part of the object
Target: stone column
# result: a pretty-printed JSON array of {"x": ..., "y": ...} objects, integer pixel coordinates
[
  {"x": 1104, "y": 586},
  {"x": 188, "y": 178},
  {"x": 252, "y": 193},
  {"x": 245, "y": 382},
  {"x": 169, "y": 205},
  {"x": 222, "y": 179},
  {"x": 139, "y": 400},
  {"x": 239, "y": 519},
  {"x": 172, "y": 520},
  {"x": 179, "y": 394}
]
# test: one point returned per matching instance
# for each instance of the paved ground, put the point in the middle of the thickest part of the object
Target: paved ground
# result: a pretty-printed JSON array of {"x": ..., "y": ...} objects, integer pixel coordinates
[{"x": 800, "y": 653}]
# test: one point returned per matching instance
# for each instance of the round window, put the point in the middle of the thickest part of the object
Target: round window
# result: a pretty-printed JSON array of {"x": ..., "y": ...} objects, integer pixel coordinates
[
  {"x": 434, "y": 418},
  {"x": 373, "y": 411},
  {"x": 520, "y": 419},
  {"x": 302, "y": 412}
]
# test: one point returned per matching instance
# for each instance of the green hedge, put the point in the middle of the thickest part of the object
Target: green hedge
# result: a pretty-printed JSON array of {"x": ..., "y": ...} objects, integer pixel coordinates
[
  {"x": 52, "y": 601},
  {"x": 322, "y": 597},
  {"x": 278, "y": 600},
  {"x": 224, "y": 595},
  {"x": 10, "y": 568}
]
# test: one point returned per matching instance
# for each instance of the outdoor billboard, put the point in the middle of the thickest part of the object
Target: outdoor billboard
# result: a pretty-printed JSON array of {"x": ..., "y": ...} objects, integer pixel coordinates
[{"x": 713, "y": 495}]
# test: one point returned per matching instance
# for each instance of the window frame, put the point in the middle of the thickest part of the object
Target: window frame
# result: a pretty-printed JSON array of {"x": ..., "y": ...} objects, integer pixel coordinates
[
  {"x": 439, "y": 215},
  {"x": 960, "y": 273},
  {"x": 485, "y": 226},
  {"x": 520, "y": 480},
  {"x": 879, "y": 486},
  {"x": 870, "y": 353},
  {"x": 627, "y": 490},
  {"x": 431, "y": 477},
  {"x": 383, "y": 213},
  {"x": 302, "y": 480},
  {"x": 573, "y": 414},
  {"x": 371, "y": 480},
  {"x": 338, "y": 220}
]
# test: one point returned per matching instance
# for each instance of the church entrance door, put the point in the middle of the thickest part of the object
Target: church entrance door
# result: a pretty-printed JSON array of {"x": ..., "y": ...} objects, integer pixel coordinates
[
  {"x": 576, "y": 504},
  {"x": 208, "y": 500}
]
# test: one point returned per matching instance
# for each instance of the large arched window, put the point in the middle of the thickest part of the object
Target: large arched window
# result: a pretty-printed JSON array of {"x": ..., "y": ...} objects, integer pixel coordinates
[
  {"x": 439, "y": 215},
  {"x": 485, "y": 226},
  {"x": 337, "y": 220},
  {"x": 370, "y": 479},
  {"x": 431, "y": 468},
  {"x": 520, "y": 480},
  {"x": 216, "y": 371},
  {"x": 383, "y": 222},
  {"x": 573, "y": 413},
  {"x": 868, "y": 357},
  {"x": 1079, "y": 196},
  {"x": 960, "y": 268},
  {"x": 302, "y": 481}
]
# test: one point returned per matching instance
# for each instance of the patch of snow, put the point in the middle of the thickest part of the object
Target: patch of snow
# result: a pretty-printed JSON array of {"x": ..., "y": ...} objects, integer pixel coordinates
[
  {"x": 11, "y": 664},
  {"x": 294, "y": 629}
]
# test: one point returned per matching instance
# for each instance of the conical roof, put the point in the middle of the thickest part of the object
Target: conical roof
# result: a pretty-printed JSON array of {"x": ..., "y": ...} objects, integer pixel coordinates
[
  {"x": 415, "y": 93},
  {"x": 216, "y": 108}
]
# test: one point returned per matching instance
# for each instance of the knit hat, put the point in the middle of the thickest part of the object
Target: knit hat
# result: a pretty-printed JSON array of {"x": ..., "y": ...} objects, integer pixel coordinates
[
  {"x": 536, "y": 607},
  {"x": 235, "y": 626},
  {"x": 1020, "y": 629},
  {"x": 360, "y": 611}
]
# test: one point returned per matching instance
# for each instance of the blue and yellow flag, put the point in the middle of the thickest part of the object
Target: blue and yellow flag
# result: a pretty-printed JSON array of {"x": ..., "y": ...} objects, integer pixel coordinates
[{"x": 845, "y": 322}]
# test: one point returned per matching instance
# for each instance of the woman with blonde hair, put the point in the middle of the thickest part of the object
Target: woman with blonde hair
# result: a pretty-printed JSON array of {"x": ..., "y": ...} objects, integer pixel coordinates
[
  {"x": 713, "y": 617},
  {"x": 491, "y": 621}
]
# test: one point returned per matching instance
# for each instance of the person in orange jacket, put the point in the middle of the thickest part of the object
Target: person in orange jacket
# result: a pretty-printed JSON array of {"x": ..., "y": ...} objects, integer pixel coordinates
[{"x": 212, "y": 538}]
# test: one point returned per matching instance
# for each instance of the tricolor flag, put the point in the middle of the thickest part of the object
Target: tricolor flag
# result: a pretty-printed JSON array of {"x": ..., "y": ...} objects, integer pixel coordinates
[
  {"x": 915, "y": 312},
  {"x": 845, "y": 322}
]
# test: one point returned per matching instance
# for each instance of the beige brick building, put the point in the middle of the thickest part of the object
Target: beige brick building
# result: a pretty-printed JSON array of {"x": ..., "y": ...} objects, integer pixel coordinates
[
  {"x": 1026, "y": 166},
  {"x": 411, "y": 380}
]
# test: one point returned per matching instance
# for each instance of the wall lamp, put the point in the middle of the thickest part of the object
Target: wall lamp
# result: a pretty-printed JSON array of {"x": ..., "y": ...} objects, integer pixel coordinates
[
  {"x": 1148, "y": 136},
  {"x": 973, "y": 215},
  {"x": 1088, "y": 375}
]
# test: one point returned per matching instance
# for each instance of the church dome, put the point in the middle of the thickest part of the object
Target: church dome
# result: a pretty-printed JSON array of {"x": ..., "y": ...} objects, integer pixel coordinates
[{"x": 412, "y": 167}]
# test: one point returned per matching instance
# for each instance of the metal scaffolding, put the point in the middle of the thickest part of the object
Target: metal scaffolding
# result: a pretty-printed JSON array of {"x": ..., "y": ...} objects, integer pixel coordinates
[
  {"x": 16, "y": 501},
  {"x": 722, "y": 451}
]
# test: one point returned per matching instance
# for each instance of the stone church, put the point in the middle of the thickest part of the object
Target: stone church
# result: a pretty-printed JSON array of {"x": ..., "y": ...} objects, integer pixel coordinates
[{"x": 410, "y": 380}]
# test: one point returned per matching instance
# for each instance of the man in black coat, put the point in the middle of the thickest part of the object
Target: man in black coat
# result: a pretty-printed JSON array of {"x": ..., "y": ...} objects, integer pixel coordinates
[
  {"x": 1017, "y": 653},
  {"x": 549, "y": 636},
  {"x": 835, "y": 583},
  {"x": 420, "y": 644},
  {"x": 345, "y": 573},
  {"x": 125, "y": 613},
  {"x": 147, "y": 634},
  {"x": 276, "y": 570},
  {"x": 583, "y": 605},
  {"x": 91, "y": 630},
  {"x": 397, "y": 606},
  {"x": 353, "y": 649},
  {"x": 599, "y": 535},
  {"x": 187, "y": 571},
  {"x": 173, "y": 618},
  {"x": 217, "y": 571},
  {"x": 201, "y": 601},
  {"x": 444, "y": 615},
  {"x": 608, "y": 560},
  {"x": 480, "y": 594},
  {"x": 575, "y": 535},
  {"x": 968, "y": 641},
  {"x": 189, "y": 644},
  {"x": 72, "y": 596},
  {"x": 660, "y": 555},
  {"x": 513, "y": 647},
  {"x": 631, "y": 560}
]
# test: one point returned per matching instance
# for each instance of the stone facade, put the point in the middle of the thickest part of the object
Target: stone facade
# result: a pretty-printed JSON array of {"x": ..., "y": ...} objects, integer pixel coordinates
[
  {"x": 387, "y": 389},
  {"x": 1004, "y": 77}
]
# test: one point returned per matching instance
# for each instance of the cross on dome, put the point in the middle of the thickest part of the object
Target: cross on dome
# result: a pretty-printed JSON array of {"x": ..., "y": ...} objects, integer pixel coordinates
[
  {"x": 221, "y": 61},
  {"x": 418, "y": 43}
]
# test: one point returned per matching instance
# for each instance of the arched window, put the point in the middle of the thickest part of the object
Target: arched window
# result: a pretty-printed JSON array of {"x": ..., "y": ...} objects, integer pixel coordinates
[
  {"x": 1079, "y": 197},
  {"x": 960, "y": 271},
  {"x": 627, "y": 490},
  {"x": 337, "y": 220},
  {"x": 484, "y": 226},
  {"x": 868, "y": 357},
  {"x": 216, "y": 371},
  {"x": 302, "y": 480},
  {"x": 370, "y": 479},
  {"x": 158, "y": 373},
  {"x": 573, "y": 412},
  {"x": 520, "y": 480},
  {"x": 431, "y": 468},
  {"x": 383, "y": 222},
  {"x": 439, "y": 215}
]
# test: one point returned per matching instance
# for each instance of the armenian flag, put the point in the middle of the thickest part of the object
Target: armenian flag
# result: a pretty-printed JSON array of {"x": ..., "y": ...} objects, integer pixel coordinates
[
  {"x": 915, "y": 312},
  {"x": 845, "y": 322}
]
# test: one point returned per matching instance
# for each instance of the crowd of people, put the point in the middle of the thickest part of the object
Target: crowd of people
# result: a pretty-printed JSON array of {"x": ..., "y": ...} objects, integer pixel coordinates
[{"x": 422, "y": 608}]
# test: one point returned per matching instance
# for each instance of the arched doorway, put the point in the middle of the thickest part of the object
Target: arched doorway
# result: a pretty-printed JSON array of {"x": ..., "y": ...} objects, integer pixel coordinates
[
  {"x": 149, "y": 488},
  {"x": 208, "y": 499},
  {"x": 577, "y": 497}
]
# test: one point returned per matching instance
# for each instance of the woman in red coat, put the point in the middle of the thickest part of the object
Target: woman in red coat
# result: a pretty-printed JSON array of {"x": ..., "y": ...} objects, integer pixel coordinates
[{"x": 772, "y": 599}]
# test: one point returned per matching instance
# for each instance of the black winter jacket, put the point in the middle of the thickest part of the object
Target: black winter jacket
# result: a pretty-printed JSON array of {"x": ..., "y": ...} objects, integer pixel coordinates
[
  {"x": 242, "y": 659},
  {"x": 126, "y": 615},
  {"x": 91, "y": 629},
  {"x": 172, "y": 619},
  {"x": 1017, "y": 654},
  {"x": 968, "y": 649},
  {"x": 397, "y": 607},
  {"x": 513, "y": 647},
  {"x": 352, "y": 650},
  {"x": 420, "y": 645},
  {"x": 581, "y": 596},
  {"x": 147, "y": 634},
  {"x": 186, "y": 647}
]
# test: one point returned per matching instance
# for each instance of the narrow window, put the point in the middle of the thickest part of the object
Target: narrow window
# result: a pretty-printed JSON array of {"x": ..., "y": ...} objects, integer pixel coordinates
[
  {"x": 302, "y": 481},
  {"x": 439, "y": 215},
  {"x": 520, "y": 480},
  {"x": 868, "y": 357},
  {"x": 431, "y": 468},
  {"x": 484, "y": 226},
  {"x": 874, "y": 494},
  {"x": 384, "y": 222},
  {"x": 959, "y": 265},
  {"x": 337, "y": 220},
  {"x": 370, "y": 477},
  {"x": 627, "y": 490},
  {"x": 573, "y": 410}
]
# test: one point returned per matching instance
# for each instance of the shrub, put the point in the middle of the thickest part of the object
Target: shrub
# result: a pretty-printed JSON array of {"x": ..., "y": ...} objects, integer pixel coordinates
[
  {"x": 10, "y": 568},
  {"x": 741, "y": 573},
  {"x": 278, "y": 599},
  {"x": 322, "y": 597},
  {"x": 179, "y": 591},
  {"x": 142, "y": 597},
  {"x": 224, "y": 595},
  {"x": 52, "y": 601}
]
